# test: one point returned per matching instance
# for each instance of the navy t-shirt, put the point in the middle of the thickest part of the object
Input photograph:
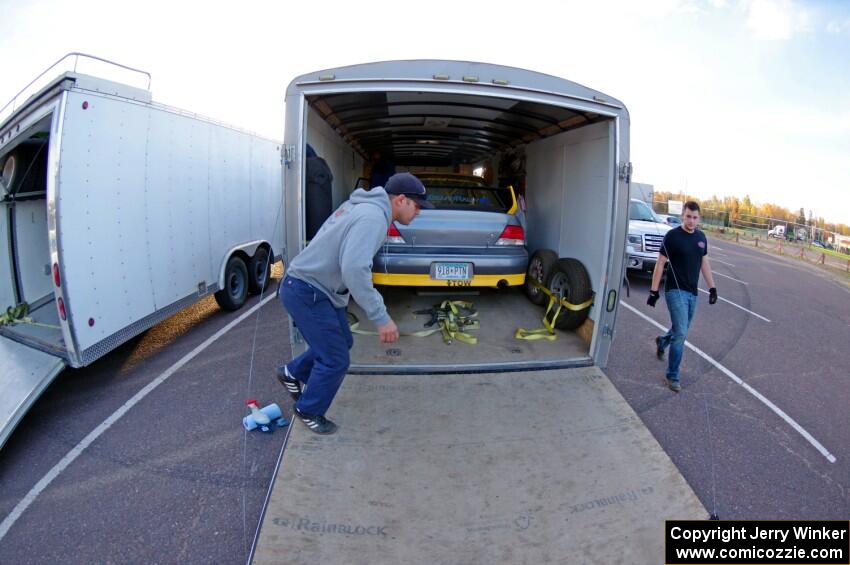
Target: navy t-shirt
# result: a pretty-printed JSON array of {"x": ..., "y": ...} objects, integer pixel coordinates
[{"x": 684, "y": 252}]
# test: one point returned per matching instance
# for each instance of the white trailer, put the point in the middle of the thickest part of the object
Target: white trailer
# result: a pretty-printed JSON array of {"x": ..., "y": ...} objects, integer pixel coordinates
[
  {"x": 642, "y": 191},
  {"x": 117, "y": 212},
  {"x": 507, "y": 451}
]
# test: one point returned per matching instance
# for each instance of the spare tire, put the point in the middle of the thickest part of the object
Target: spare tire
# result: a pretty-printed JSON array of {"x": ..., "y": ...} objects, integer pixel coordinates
[
  {"x": 540, "y": 268},
  {"x": 569, "y": 280}
]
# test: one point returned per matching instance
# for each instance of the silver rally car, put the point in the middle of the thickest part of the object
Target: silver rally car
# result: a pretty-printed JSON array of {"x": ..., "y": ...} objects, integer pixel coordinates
[{"x": 472, "y": 237}]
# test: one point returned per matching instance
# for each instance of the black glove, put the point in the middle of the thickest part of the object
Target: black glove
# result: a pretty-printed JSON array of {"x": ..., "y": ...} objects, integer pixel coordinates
[
  {"x": 712, "y": 295},
  {"x": 654, "y": 295}
]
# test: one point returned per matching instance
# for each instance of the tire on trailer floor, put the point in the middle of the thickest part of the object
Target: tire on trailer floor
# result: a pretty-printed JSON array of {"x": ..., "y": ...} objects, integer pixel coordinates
[
  {"x": 235, "y": 290},
  {"x": 540, "y": 268},
  {"x": 569, "y": 280}
]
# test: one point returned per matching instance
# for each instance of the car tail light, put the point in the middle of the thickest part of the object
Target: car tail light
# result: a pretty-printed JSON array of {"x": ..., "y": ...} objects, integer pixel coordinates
[
  {"x": 393, "y": 235},
  {"x": 513, "y": 235},
  {"x": 61, "y": 304},
  {"x": 56, "y": 278}
]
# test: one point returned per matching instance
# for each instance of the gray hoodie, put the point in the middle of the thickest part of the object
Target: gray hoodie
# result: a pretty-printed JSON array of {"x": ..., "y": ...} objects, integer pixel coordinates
[{"x": 338, "y": 261}]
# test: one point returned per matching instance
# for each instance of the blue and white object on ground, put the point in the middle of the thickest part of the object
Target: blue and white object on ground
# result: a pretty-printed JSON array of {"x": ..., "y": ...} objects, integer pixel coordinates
[{"x": 272, "y": 412}]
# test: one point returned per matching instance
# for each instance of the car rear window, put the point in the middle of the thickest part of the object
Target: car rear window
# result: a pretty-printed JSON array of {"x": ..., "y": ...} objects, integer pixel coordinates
[
  {"x": 429, "y": 180},
  {"x": 469, "y": 198}
]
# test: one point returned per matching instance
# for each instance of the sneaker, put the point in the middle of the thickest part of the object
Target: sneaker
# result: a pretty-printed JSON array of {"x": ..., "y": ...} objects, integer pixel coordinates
[
  {"x": 674, "y": 385},
  {"x": 659, "y": 349},
  {"x": 318, "y": 424},
  {"x": 290, "y": 383}
]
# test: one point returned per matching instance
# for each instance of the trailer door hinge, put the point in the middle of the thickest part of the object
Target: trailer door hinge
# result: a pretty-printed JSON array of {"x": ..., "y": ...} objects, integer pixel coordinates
[
  {"x": 288, "y": 154},
  {"x": 626, "y": 171}
]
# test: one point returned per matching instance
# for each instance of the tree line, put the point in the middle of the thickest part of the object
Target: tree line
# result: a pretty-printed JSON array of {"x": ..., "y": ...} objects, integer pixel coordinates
[{"x": 743, "y": 210}]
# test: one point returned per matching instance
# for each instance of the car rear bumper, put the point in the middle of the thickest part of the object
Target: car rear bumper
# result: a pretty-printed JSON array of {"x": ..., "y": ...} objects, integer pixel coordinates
[
  {"x": 506, "y": 268},
  {"x": 495, "y": 281}
]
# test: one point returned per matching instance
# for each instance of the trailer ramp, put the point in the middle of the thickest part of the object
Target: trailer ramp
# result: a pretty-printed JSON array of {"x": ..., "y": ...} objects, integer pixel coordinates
[
  {"x": 24, "y": 374},
  {"x": 523, "y": 467}
]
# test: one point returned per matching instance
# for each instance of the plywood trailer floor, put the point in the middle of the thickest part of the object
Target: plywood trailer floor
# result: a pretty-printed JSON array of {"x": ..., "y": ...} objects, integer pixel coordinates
[
  {"x": 500, "y": 313},
  {"x": 524, "y": 467}
]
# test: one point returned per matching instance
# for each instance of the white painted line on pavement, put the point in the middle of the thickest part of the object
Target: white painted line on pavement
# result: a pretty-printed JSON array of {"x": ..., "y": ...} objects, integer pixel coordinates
[
  {"x": 776, "y": 410},
  {"x": 738, "y": 306},
  {"x": 717, "y": 248},
  {"x": 728, "y": 277},
  {"x": 713, "y": 260},
  {"x": 69, "y": 458}
]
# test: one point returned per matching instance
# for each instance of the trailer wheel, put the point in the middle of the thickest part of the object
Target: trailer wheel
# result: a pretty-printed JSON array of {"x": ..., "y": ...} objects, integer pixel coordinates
[
  {"x": 571, "y": 281},
  {"x": 540, "y": 269},
  {"x": 235, "y": 290},
  {"x": 259, "y": 271}
]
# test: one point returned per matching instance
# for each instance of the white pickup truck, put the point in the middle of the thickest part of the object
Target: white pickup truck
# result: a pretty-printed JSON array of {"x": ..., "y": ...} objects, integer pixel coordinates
[
  {"x": 646, "y": 233},
  {"x": 776, "y": 231}
]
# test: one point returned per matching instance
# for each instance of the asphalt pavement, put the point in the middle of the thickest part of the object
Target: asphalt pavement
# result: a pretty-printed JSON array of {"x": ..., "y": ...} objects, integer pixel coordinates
[
  {"x": 741, "y": 458},
  {"x": 176, "y": 479}
]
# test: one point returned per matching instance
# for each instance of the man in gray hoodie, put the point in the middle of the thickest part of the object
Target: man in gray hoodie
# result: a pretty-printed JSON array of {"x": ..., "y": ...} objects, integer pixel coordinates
[{"x": 336, "y": 265}]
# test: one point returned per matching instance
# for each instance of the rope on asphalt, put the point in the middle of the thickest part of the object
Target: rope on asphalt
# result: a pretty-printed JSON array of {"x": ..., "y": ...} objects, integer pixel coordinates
[{"x": 250, "y": 382}]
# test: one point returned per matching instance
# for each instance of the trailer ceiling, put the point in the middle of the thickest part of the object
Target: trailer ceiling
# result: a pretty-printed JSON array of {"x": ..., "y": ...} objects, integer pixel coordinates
[{"x": 440, "y": 129}]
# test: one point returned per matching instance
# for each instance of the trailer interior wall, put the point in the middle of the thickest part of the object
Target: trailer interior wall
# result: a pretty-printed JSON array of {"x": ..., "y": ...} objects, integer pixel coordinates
[
  {"x": 32, "y": 250},
  {"x": 26, "y": 213},
  {"x": 569, "y": 193},
  {"x": 345, "y": 163},
  {"x": 7, "y": 277}
]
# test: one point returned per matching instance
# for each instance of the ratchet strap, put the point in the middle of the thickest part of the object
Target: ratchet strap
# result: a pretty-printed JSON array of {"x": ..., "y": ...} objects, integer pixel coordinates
[
  {"x": 547, "y": 332},
  {"x": 451, "y": 317}
]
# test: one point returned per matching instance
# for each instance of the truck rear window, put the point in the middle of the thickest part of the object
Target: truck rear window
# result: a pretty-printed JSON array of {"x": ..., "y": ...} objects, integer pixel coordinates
[{"x": 641, "y": 212}]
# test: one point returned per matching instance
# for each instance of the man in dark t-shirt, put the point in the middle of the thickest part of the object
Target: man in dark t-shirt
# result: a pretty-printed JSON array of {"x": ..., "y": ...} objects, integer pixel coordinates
[{"x": 685, "y": 248}]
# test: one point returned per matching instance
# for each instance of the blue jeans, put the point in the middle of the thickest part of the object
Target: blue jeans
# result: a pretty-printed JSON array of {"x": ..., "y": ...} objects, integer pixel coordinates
[
  {"x": 682, "y": 306},
  {"x": 325, "y": 329}
]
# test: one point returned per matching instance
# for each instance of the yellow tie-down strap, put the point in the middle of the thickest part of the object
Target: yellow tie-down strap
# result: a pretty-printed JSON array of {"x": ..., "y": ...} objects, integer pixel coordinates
[
  {"x": 547, "y": 332},
  {"x": 451, "y": 318},
  {"x": 19, "y": 315}
]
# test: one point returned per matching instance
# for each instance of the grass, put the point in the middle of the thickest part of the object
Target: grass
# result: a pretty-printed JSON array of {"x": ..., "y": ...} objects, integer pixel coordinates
[{"x": 834, "y": 253}]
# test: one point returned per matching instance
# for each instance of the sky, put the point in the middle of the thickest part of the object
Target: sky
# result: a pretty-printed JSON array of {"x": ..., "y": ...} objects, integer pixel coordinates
[{"x": 726, "y": 98}]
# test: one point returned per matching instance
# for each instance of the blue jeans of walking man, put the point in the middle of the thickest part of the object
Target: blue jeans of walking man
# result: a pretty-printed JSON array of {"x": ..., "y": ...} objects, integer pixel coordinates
[
  {"x": 325, "y": 329},
  {"x": 682, "y": 306}
]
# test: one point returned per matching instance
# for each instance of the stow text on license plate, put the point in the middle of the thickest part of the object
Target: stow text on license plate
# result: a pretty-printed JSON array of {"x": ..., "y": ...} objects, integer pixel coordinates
[{"x": 452, "y": 271}]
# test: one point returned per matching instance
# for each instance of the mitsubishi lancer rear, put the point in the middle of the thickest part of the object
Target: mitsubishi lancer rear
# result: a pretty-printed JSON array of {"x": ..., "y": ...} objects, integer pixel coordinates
[{"x": 472, "y": 237}]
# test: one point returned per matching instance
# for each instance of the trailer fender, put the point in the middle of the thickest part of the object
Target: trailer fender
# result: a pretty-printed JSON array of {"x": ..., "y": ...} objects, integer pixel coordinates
[{"x": 245, "y": 249}]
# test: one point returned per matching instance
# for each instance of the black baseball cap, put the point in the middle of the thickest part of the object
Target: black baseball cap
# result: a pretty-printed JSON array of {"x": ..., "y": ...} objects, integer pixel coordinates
[{"x": 410, "y": 186}]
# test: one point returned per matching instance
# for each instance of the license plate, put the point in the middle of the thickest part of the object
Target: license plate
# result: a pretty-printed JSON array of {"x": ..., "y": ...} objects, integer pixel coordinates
[{"x": 452, "y": 271}]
